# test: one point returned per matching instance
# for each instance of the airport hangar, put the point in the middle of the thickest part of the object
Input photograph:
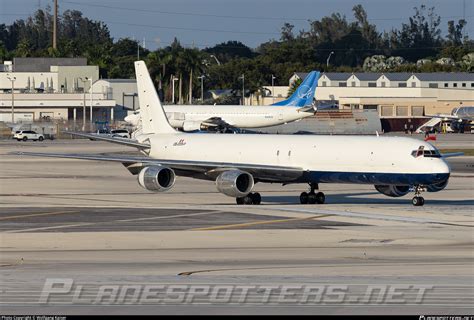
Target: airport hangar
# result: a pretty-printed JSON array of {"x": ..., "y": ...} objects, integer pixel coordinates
[{"x": 57, "y": 89}]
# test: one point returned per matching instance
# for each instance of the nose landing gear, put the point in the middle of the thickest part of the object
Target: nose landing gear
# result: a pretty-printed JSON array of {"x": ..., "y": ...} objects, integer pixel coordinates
[
  {"x": 312, "y": 197},
  {"x": 418, "y": 200}
]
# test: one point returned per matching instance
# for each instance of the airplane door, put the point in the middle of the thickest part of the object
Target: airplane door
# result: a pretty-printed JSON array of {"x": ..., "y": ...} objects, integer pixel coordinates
[{"x": 280, "y": 116}]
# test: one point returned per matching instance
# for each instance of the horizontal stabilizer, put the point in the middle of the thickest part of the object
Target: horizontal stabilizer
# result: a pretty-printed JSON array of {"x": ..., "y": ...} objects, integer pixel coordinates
[{"x": 117, "y": 140}]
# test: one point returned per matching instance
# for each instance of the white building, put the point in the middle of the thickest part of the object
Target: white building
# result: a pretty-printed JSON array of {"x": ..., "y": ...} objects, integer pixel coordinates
[
  {"x": 51, "y": 89},
  {"x": 398, "y": 97}
]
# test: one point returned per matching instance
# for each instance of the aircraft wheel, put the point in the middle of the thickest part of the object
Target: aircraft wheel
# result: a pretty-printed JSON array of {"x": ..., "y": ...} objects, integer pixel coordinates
[
  {"x": 248, "y": 199},
  {"x": 320, "y": 198},
  {"x": 304, "y": 198},
  {"x": 239, "y": 200},
  {"x": 418, "y": 201},
  {"x": 256, "y": 198},
  {"x": 312, "y": 198}
]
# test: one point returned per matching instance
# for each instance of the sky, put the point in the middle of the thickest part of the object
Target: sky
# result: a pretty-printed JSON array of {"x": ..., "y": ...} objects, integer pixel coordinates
[{"x": 204, "y": 23}]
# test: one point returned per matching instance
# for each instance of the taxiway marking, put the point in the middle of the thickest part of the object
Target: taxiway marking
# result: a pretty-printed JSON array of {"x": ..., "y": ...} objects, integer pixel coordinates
[
  {"x": 237, "y": 225},
  {"x": 111, "y": 221},
  {"x": 36, "y": 215}
]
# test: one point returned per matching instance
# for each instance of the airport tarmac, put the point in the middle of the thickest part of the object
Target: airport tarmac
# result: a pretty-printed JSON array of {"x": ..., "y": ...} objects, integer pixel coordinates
[{"x": 91, "y": 223}]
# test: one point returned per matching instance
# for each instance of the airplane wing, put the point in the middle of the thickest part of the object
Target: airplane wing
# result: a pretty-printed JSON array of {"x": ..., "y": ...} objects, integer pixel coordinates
[
  {"x": 207, "y": 170},
  {"x": 444, "y": 116},
  {"x": 216, "y": 122},
  {"x": 452, "y": 154},
  {"x": 117, "y": 140}
]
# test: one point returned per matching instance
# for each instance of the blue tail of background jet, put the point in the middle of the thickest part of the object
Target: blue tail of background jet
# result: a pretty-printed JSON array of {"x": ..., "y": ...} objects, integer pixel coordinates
[{"x": 304, "y": 94}]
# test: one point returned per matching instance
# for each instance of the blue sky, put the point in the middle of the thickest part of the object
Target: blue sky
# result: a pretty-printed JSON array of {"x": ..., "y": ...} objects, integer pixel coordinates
[{"x": 208, "y": 22}]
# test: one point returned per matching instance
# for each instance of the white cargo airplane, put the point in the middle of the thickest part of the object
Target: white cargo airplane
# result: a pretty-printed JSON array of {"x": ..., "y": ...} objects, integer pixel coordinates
[
  {"x": 223, "y": 117},
  {"x": 236, "y": 162}
]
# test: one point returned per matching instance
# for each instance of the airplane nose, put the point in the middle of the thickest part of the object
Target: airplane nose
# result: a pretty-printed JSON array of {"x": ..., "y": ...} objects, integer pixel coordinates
[
  {"x": 442, "y": 167},
  {"x": 441, "y": 171}
]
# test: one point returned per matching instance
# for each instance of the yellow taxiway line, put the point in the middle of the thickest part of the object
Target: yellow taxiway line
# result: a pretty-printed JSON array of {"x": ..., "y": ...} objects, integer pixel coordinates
[
  {"x": 248, "y": 224},
  {"x": 35, "y": 215}
]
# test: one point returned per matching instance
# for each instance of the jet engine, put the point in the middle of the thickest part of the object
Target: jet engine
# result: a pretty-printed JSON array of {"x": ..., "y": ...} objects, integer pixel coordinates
[
  {"x": 392, "y": 191},
  {"x": 437, "y": 187},
  {"x": 192, "y": 126},
  {"x": 235, "y": 183},
  {"x": 156, "y": 178}
]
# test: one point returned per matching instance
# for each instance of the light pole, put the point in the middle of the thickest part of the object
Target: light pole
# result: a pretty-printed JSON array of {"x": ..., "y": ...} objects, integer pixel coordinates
[
  {"x": 218, "y": 62},
  {"x": 90, "y": 88},
  {"x": 273, "y": 88},
  {"x": 329, "y": 57},
  {"x": 83, "y": 104},
  {"x": 173, "y": 79},
  {"x": 202, "y": 86},
  {"x": 13, "y": 97},
  {"x": 243, "y": 88}
]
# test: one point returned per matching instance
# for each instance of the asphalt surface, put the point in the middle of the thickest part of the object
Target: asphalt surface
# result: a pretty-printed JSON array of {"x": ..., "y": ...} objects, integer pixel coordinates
[
  {"x": 90, "y": 223},
  {"x": 77, "y": 219}
]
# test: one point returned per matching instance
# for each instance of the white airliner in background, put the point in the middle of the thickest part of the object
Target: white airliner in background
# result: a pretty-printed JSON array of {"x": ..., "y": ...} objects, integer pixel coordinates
[
  {"x": 237, "y": 162},
  {"x": 222, "y": 117}
]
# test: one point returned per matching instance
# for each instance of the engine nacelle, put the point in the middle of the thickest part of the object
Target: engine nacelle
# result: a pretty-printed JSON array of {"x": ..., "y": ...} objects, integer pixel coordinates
[
  {"x": 192, "y": 126},
  {"x": 392, "y": 191},
  {"x": 235, "y": 183},
  {"x": 156, "y": 178},
  {"x": 437, "y": 187}
]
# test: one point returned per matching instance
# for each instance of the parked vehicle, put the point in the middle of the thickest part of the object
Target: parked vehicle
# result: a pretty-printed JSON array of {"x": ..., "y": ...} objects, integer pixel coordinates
[
  {"x": 24, "y": 135},
  {"x": 103, "y": 131},
  {"x": 121, "y": 133}
]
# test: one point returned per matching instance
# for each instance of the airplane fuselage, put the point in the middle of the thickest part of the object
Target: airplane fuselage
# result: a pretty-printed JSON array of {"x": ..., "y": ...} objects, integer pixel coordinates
[
  {"x": 325, "y": 159},
  {"x": 238, "y": 116}
]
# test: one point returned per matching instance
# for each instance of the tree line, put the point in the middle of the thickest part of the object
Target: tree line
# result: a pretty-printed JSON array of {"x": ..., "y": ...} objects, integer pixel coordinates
[{"x": 352, "y": 43}]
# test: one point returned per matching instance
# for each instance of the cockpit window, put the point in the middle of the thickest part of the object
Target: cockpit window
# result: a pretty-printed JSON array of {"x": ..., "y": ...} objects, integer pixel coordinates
[
  {"x": 425, "y": 153},
  {"x": 432, "y": 154}
]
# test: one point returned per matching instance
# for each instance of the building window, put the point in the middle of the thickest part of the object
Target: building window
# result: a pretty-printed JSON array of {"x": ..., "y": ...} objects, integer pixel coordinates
[
  {"x": 370, "y": 107},
  {"x": 433, "y": 85},
  {"x": 324, "y": 83},
  {"x": 353, "y": 83},
  {"x": 417, "y": 111},
  {"x": 342, "y": 84},
  {"x": 455, "y": 85},
  {"x": 472, "y": 85},
  {"x": 382, "y": 84},
  {"x": 402, "y": 111},
  {"x": 372, "y": 84},
  {"x": 402, "y": 84},
  {"x": 463, "y": 84},
  {"x": 387, "y": 111},
  {"x": 413, "y": 84},
  {"x": 446, "y": 85}
]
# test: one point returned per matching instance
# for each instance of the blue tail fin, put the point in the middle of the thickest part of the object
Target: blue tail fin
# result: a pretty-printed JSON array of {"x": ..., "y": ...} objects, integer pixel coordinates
[{"x": 304, "y": 94}]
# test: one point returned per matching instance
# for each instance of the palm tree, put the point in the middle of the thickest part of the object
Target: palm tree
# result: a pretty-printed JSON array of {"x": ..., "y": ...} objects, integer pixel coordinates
[
  {"x": 157, "y": 62},
  {"x": 294, "y": 86},
  {"x": 193, "y": 64},
  {"x": 180, "y": 65}
]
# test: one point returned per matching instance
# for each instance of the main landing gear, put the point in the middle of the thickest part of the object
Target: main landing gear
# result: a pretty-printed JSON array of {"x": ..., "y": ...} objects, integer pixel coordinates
[
  {"x": 251, "y": 198},
  {"x": 312, "y": 197},
  {"x": 418, "y": 200}
]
